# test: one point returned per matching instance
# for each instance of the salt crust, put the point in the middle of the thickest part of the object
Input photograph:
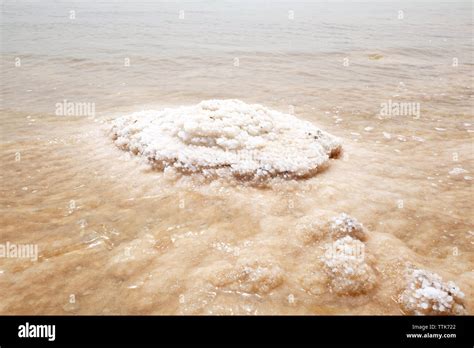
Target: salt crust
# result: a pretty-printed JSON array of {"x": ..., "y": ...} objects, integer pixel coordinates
[
  {"x": 345, "y": 225},
  {"x": 226, "y": 137},
  {"x": 427, "y": 294},
  {"x": 253, "y": 277}
]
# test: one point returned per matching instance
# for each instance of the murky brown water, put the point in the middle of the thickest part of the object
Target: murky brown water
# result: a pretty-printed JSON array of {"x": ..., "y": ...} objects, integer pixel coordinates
[{"x": 115, "y": 237}]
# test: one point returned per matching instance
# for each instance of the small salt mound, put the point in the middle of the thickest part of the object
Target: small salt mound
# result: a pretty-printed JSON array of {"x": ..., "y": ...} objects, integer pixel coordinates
[
  {"x": 426, "y": 294},
  {"x": 348, "y": 271},
  {"x": 222, "y": 137},
  {"x": 345, "y": 225}
]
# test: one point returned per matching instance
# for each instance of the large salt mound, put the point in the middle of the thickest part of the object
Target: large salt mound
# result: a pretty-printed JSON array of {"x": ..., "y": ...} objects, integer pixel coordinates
[
  {"x": 226, "y": 137},
  {"x": 427, "y": 294}
]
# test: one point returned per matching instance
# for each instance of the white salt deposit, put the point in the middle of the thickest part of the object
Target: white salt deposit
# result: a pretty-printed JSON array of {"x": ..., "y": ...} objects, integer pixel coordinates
[
  {"x": 226, "y": 137},
  {"x": 346, "y": 266},
  {"x": 345, "y": 225},
  {"x": 427, "y": 294},
  {"x": 252, "y": 277},
  {"x": 457, "y": 171}
]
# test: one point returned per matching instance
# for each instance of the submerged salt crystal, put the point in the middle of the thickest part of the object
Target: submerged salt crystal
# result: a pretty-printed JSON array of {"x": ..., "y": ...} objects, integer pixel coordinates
[
  {"x": 252, "y": 277},
  {"x": 457, "y": 171},
  {"x": 226, "y": 137},
  {"x": 345, "y": 225},
  {"x": 347, "y": 268},
  {"x": 427, "y": 294}
]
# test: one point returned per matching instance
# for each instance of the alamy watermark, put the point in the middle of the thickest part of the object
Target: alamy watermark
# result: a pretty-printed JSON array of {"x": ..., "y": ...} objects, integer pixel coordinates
[
  {"x": 28, "y": 330},
  {"x": 391, "y": 108},
  {"x": 68, "y": 108},
  {"x": 337, "y": 250},
  {"x": 12, "y": 250}
]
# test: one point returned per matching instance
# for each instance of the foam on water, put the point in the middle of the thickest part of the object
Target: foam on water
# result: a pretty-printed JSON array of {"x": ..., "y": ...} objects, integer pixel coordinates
[{"x": 226, "y": 138}]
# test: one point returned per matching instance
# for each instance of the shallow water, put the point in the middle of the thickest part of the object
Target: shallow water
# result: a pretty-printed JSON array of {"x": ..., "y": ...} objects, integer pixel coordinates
[{"x": 116, "y": 237}]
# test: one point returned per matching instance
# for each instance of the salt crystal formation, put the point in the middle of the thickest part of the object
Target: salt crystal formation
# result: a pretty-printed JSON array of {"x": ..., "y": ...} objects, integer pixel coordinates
[
  {"x": 345, "y": 225},
  {"x": 226, "y": 137},
  {"x": 348, "y": 271},
  {"x": 254, "y": 277},
  {"x": 426, "y": 294},
  {"x": 457, "y": 171}
]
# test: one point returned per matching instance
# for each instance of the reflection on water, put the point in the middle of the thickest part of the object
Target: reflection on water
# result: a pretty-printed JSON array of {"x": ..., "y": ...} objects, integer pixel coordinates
[{"x": 116, "y": 237}]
